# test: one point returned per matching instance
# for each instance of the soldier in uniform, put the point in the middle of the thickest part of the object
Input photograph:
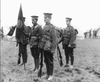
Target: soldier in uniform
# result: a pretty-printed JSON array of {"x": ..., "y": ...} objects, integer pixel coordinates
[
  {"x": 68, "y": 42},
  {"x": 36, "y": 31},
  {"x": 22, "y": 42},
  {"x": 48, "y": 43}
]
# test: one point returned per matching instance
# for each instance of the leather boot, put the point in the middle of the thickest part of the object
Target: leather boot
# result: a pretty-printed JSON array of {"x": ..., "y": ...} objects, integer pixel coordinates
[
  {"x": 37, "y": 65},
  {"x": 48, "y": 70},
  {"x": 34, "y": 64}
]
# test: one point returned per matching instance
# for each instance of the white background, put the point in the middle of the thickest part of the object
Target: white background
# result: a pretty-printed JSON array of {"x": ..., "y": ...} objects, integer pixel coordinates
[{"x": 85, "y": 13}]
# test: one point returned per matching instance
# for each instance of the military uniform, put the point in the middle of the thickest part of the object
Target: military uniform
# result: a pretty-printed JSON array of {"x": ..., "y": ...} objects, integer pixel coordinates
[
  {"x": 48, "y": 44},
  {"x": 68, "y": 42},
  {"x": 36, "y": 31},
  {"x": 22, "y": 41}
]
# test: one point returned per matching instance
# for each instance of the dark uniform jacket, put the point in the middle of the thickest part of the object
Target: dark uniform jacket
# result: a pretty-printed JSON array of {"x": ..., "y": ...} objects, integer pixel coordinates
[
  {"x": 35, "y": 34},
  {"x": 48, "y": 40},
  {"x": 68, "y": 36},
  {"x": 24, "y": 36}
]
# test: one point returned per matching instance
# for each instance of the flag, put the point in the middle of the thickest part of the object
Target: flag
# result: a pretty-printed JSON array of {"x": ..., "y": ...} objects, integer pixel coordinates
[
  {"x": 10, "y": 33},
  {"x": 20, "y": 28},
  {"x": 20, "y": 15}
]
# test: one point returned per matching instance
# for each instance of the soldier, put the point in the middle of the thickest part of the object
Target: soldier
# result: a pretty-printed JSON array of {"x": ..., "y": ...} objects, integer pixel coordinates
[
  {"x": 1, "y": 33},
  {"x": 23, "y": 45},
  {"x": 49, "y": 40},
  {"x": 36, "y": 31},
  {"x": 68, "y": 38},
  {"x": 85, "y": 34}
]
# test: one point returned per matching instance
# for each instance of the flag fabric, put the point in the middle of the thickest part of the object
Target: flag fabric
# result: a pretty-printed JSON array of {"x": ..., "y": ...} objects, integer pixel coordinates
[
  {"x": 10, "y": 33},
  {"x": 20, "y": 26},
  {"x": 20, "y": 15}
]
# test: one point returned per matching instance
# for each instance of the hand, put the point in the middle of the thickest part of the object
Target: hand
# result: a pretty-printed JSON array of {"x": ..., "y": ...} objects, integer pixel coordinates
[
  {"x": 52, "y": 52},
  {"x": 69, "y": 45}
]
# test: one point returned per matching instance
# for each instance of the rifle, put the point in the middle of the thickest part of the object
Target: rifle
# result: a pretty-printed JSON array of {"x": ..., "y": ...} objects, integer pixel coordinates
[{"x": 59, "y": 56}]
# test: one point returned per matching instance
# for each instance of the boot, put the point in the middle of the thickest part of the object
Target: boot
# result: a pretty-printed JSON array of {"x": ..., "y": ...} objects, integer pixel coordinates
[
  {"x": 34, "y": 64},
  {"x": 48, "y": 70},
  {"x": 51, "y": 70},
  {"x": 18, "y": 62},
  {"x": 67, "y": 61},
  {"x": 37, "y": 64}
]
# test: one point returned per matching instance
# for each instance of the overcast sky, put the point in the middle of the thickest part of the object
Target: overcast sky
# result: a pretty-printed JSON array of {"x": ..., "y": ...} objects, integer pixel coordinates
[{"x": 85, "y": 13}]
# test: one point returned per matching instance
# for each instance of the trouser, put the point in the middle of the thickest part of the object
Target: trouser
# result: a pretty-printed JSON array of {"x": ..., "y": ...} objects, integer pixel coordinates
[
  {"x": 22, "y": 52},
  {"x": 35, "y": 55},
  {"x": 69, "y": 53},
  {"x": 48, "y": 59}
]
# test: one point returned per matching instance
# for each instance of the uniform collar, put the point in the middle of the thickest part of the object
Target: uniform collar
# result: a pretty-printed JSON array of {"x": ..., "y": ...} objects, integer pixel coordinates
[
  {"x": 35, "y": 25},
  {"x": 48, "y": 23},
  {"x": 68, "y": 25}
]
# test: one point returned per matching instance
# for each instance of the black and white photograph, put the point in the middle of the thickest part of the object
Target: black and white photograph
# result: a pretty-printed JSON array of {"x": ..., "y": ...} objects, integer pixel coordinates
[{"x": 50, "y": 41}]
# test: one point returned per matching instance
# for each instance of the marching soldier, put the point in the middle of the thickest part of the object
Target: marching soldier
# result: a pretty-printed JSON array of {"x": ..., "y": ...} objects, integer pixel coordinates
[
  {"x": 68, "y": 42},
  {"x": 35, "y": 34},
  {"x": 48, "y": 44}
]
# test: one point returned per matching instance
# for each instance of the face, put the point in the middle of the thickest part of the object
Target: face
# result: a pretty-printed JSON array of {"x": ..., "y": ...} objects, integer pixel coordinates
[
  {"x": 34, "y": 21},
  {"x": 46, "y": 19},
  {"x": 23, "y": 20},
  {"x": 68, "y": 22},
  {"x": 19, "y": 23}
]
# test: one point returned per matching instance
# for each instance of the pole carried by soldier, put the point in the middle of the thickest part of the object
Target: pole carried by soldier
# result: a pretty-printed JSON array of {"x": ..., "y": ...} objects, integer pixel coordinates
[
  {"x": 35, "y": 33},
  {"x": 48, "y": 44},
  {"x": 68, "y": 42}
]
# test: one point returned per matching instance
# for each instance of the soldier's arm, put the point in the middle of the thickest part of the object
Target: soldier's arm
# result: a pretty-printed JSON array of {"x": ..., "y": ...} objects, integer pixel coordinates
[
  {"x": 54, "y": 42},
  {"x": 27, "y": 31},
  {"x": 40, "y": 30},
  {"x": 72, "y": 36}
]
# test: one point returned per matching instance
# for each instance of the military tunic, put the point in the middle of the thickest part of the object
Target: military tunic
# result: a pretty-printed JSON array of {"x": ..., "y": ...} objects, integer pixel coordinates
[
  {"x": 35, "y": 33},
  {"x": 68, "y": 38},
  {"x": 49, "y": 30}
]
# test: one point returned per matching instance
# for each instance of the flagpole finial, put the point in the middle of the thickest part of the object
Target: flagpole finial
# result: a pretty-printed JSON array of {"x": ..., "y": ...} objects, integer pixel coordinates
[
  {"x": 20, "y": 4},
  {"x": 20, "y": 15}
]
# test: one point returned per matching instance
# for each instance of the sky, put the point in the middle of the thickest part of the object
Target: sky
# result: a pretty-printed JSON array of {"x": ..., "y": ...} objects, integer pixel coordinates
[{"x": 85, "y": 14}]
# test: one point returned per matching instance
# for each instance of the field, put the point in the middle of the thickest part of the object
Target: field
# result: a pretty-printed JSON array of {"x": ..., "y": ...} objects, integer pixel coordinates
[{"x": 86, "y": 65}]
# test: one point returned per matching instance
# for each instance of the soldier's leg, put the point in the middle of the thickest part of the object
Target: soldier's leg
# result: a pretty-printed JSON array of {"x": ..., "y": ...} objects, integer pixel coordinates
[
  {"x": 32, "y": 53},
  {"x": 71, "y": 55},
  {"x": 66, "y": 49},
  {"x": 37, "y": 58},
  {"x": 19, "y": 53},
  {"x": 41, "y": 63},
  {"x": 25, "y": 53},
  {"x": 41, "y": 60},
  {"x": 46, "y": 62},
  {"x": 50, "y": 63}
]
